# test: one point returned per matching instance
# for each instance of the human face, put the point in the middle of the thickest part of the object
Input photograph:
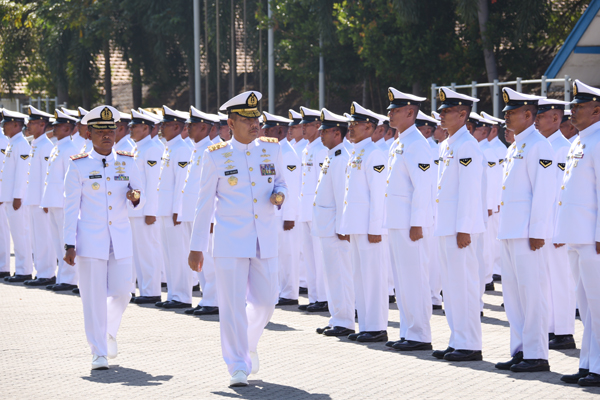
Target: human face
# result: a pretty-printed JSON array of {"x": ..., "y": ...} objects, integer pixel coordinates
[
  {"x": 402, "y": 118},
  {"x": 509, "y": 135},
  {"x": 425, "y": 130},
  {"x": 452, "y": 119},
  {"x": 122, "y": 130},
  {"x": 377, "y": 133},
  {"x": 37, "y": 127},
  {"x": 518, "y": 120},
  {"x": 295, "y": 132},
  {"x": 481, "y": 133},
  {"x": 12, "y": 128},
  {"x": 61, "y": 131},
  {"x": 214, "y": 131},
  {"x": 224, "y": 132},
  {"x": 245, "y": 130},
  {"x": 585, "y": 114},
  {"x": 171, "y": 129},
  {"x": 359, "y": 131},
  {"x": 567, "y": 129},
  {"x": 140, "y": 131},
  {"x": 83, "y": 131},
  {"x": 198, "y": 130},
  {"x": 311, "y": 131},
  {"x": 331, "y": 137},
  {"x": 103, "y": 140},
  {"x": 272, "y": 132},
  {"x": 548, "y": 122},
  {"x": 439, "y": 134}
]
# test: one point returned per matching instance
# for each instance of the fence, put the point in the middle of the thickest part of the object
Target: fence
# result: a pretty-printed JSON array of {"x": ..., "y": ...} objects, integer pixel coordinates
[
  {"x": 545, "y": 82},
  {"x": 37, "y": 103}
]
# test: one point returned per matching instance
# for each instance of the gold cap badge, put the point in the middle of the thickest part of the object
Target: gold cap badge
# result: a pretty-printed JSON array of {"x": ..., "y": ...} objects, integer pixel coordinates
[
  {"x": 106, "y": 114},
  {"x": 390, "y": 95},
  {"x": 352, "y": 110},
  {"x": 505, "y": 97},
  {"x": 574, "y": 88},
  {"x": 442, "y": 95},
  {"x": 252, "y": 100}
]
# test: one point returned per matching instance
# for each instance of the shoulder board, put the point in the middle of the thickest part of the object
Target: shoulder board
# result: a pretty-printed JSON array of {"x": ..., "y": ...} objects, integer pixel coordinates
[
  {"x": 79, "y": 156},
  {"x": 124, "y": 153},
  {"x": 268, "y": 139},
  {"x": 217, "y": 146}
]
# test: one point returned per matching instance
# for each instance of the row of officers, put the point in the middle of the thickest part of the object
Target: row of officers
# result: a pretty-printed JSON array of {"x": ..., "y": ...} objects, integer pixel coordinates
[{"x": 355, "y": 208}]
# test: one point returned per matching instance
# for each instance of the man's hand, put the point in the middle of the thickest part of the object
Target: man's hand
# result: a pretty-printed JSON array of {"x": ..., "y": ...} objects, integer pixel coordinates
[
  {"x": 536, "y": 244},
  {"x": 288, "y": 225},
  {"x": 557, "y": 245},
  {"x": 175, "y": 220},
  {"x": 45, "y": 210},
  {"x": 277, "y": 198},
  {"x": 463, "y": 240},
  {"x": 133, "y": 196},
  {"x": 490, "y": 212},
  {"x": 150, "y": 219},
  {"x": 16, "y": 204},
  {"x": 211, "y": 227},
  {"x": 344, "y": 237},
  {"x": 597, "y": 247},
  {"x": 70, "y": 256},
  {"x": 195, "y": 260},
  {"x": 374, "y": 238},
  {"x": 416, "y": 233}
]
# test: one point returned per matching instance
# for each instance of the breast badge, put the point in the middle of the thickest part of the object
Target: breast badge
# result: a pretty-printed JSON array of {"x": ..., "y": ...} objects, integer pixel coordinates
[
  {"x": 95, "y": 186},
  {"x": 232, "y": 180}
]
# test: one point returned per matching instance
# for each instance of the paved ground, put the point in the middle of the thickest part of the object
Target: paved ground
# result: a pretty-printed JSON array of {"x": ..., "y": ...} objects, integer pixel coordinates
[{"x": 166, "y": 354}]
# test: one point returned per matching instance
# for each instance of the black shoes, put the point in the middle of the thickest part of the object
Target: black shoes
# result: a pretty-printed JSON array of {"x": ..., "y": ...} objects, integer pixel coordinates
[
  {"x": 319, "y": 306},
  {"x": 591, "y": 380},
  {"x": 18, "y": 278},
  {"x": 489, "y": 287},
  {"x": 163, "y": 284},
  {"x": 175, "y": 304},
  {"x": 439, "y": 354},
  {"x": 303, "y": 307},
  {"x": 411, "y": 345},
  {"x": 562, "y": 342},
  {"x": 76, "y": 290},
  {"x": 302, "y": 290},
  {"x": 496, "y": 278},
  {"x": 59, "y": 287},
  {"x": 338, "y": 331},
  {"x": 531, "y": 366},
  {"x": 4, "y": 274},
  {"x": 391, "y": 343},
  {"x": 575, "y": 377},
  {"x": 353, "y": 336},
  {"x": 320, "y": 331},
  {"x": 196, "y": 288},
  {"x": 191, "y": 310},
  {"x": 287, "y": 302},
  {"x": 392, "y": 299},
  {"x": 436, "y": 307},
  {"x": 517, "y": 358},
  {"x": 41, "y": 281},
  {"x": 375, "y": 336},
  {"x": 464, "y": 355},
  {"x": 145, "y": 299},
  {"x": 207, "y": 310}
]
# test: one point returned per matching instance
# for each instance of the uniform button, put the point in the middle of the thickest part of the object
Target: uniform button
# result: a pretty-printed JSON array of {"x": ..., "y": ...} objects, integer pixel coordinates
[
  {"x": 47, "y": 173},
  {"x": 251, "y": 169},
  {"x": 567, "y": 172},
  {"x": 186, "y": 180},
  {"x": 348, "y": 176},
  {"x": 304, "y": 173},
  {"x": 109, "y": 193},
  {"x": 387, "y": 181},
  {"x": 386, "y": 195},
  {"x": 28, "y": 173},
  {"x": 503, "y": 187},
  {"x": 110, "y": 207},
  {"x": 303, "y": 183},
  {"x": 253, "y": 183},
  {"x": 315, "y": 192},
  {"x": 159, "y": 178},
  {"x": 248, "y": 153},
  {"x": 501, "y": 203},
  {"x": 346, "y": 189},
  {"x": 255, "y": 216},
  {"x": 506, "y": 174},
  {"x": 301, "y": 194},
  {"x": 108, "y": 178},
  {"x": 437, "y": 200},
  {"x": 314, "y": 204},
  {"x": 439, "y": 187},
  {"x": 27, "y": 181},
  {"x": 318, "y": 181},
  {"x": 45, "y": 183},
  {"x": 255, "y": 200},
  {"x": 562, "y": 187},
  {"x": 110, "y": 222},
  {"x": 345, "y": 202},
  {"x": 560, "y": 203},
  {"x": 182, "y": 191}
]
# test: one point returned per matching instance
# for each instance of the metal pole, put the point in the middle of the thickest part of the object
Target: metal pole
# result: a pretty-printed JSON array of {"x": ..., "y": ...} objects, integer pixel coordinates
[
  {"x": 47, "y": 101},
  {"x": 321, "y": 75},
  {"x": 245, "y": 53},
  {"x": 519, "y": 85},
  {"x": 474, "y": 94},
  {"x": 207, "y": 76},
  {"x": 271, "y": 63},
  {"x": 39, "y": 101},
  {"x": 218, "y": 61},
  {"x": 55, "y": 103},
  {"x": 233, "y": 68},
  {"x": 568, "y": 91},
  {"x": 495, "y": 97},
  {"x": 197, "y": 77},
  {"x": 453, "y": 86},
  {"x": 433, "y": 97},
  {"x": 544, "y": 88}
]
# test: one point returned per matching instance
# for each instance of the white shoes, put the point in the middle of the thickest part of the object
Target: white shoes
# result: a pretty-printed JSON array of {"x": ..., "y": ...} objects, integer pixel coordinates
[
  {"x": 239, "y": 378},
  {"x": 112, "y": 347},
  {"x": 99, "y": 362},
  {"x": 255, "y": 363}
]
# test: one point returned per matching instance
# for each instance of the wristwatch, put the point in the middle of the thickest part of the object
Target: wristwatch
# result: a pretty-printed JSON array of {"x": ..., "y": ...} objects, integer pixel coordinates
[{"x": 69, "y": 246}]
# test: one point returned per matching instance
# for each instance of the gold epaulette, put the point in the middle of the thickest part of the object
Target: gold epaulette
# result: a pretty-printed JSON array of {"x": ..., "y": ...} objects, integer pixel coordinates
[
  {"x": 79, "y": 156},
  {"x": 268, "y": 139},
  {"x": 217, "y": 146},
  {"x": 125, "y": 153}
]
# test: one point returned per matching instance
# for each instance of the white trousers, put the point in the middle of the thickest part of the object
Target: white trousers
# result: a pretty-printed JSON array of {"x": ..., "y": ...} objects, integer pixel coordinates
[
  {"x": 180, "y": 278},
  {"x": 4, "y": 240},
  {"x": 104, "y": 286},
  {"x": 411, "y": 264},
  {"x": 338, "y": 277},
  {"x": 433, "y": 264},
  {"x": 66, "y": 273},
  {"x": 370, "y": 283},
  {"x": 460, "y": 281},
  {"x": 562, "y": 295},
  {"x": 44, "y": 253},
  {"x": 496, "y": 244},
  {"x": 148, "y": 257},
  {"x": 586, "y": 270},
  {"x": 313, "y": 260},
  {"x": 387, "y": 260},
  {"x": 485, "y": 259},
  {"x": 289, "y": 262},
  {"x": 525, "y": 291},
  {"x": 301, "y": 264},
  {"x": 247, "y": 289},
  {"x": 20, "y": 229},
  {"x": 207, "y": 278}
]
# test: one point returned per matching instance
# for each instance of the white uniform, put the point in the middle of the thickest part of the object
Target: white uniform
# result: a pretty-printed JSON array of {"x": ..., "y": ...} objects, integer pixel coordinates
[
  {"x": 461, "y": 207},
  {"x": 299, "y": 147},
  {"x": 245, "y": 244},
  {"x": 408, "y": 204},
  {"x": 4, "y": 229},
  {"x": 170, "y": 191},
  {"x": 289, "y": 248},
  {"x": 125, "y": 144},
  {"x": 14, "y": 186},
  {"x": 97, "y": 223},
  {"x": 577, "y": 226},
  {"x": 573, "y": 138},
  {"x": 435, "y": 277},
  {"x": 562, "y": 294},
  {"x": 147, "y": 245},
  {"x": 528, "y": 192},
  {"x": 313, "y": 157},
  {"x": 191, "y": 192},
  {"x": 500, "y": 153},
  {"x": 44, "y": 253},
  {"x": 327, "y": 216},
  {"x": 363, "y": 216},
  {"x": 80, "y": 143}
]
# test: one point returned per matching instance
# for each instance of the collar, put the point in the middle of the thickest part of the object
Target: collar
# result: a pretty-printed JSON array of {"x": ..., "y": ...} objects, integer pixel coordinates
[
  {"x": 64, "y": 140},
  {"x": 390, "y": 140},
  {"x": 174, "y": 140},
  {"x": 123, "y": 139},
  {"x": 459, "y": 133},
  {"x": 39, "y": 139},
  {"x": 314, "y": 143},
  {"x": 361, "y": 145},
  {"x": 403, "y": 135},
  {"x": 17, "y": 136},
  {"x": 521, "y": 137},
  {"x": 331, "y": 152},
  {"x": 494, "y": 140},
  {"x": 555, "y": 136},
  {"x": 589, "y": 130},
  {"x": 283, "y": 140},
  {"x": 430, "y": 140},
  {"x": 241, "y": 146},
  {"x": 94, "y": 155},
  {"x": 144, "y": 140},
  {"x": 203, "y": 142}
]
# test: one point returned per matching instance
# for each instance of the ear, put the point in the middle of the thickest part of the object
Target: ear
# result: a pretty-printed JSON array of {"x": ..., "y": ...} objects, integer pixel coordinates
[
  {"x": 230, "y": 123},
  {"x": 596, "y": 110}
]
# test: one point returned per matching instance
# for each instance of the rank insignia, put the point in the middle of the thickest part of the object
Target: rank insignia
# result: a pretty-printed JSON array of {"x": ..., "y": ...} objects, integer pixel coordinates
[
  {"x": 151, "y": 163},
  {"x": 95, "y": 175},
  {"x": 291, "y": 167},
  {"x": 228, "y": 154},
  {"x": 268, "y": 139},
  {"x": 3, "y": 151},
  {"x": 228, "y": 161},
  {"x": 229, "y": 167},
  {"x": 545, "y": 163},
  {"x": 321, "y": 165},
  {"x": 270, "y": 180},
  {"x": 500, "y": 161},
  {"x": 491, "y": 164},
  {"x": 379, "y": 168},
  {"x": 182, "y": 164},
  {"x": 46, "y": 158},
  {"x": 25, "y": 156},
  {"x": 124, "y": 153},
  {"x": 437, "y": 162},
  {"x": 422, "y": 167},
  {"x": 561, "y": 166},
  {"x": 465, "y": 161},
  {"x": 267, "y": 169},
  {"x": 79, "y": 156},
  {"x": 217, "y": 147},
  {"x": 338, "y": 152}
]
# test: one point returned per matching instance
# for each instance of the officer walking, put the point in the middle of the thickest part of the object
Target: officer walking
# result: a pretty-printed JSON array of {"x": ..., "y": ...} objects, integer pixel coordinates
[{"x": 244, "y": 242}]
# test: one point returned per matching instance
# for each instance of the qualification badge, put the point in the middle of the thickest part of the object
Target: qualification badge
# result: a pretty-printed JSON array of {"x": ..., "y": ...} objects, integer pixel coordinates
[{"x": 232, "y": 180}]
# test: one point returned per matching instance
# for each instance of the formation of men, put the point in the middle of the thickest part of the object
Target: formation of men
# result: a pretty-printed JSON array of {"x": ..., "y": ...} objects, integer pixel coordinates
[{"x": 351, "y": 209}]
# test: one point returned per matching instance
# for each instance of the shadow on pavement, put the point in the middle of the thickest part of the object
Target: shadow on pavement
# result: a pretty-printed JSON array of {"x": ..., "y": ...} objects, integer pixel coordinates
[
  {"x": 265, "y": 390},
  {"x": 271, "y": 326},
  {"x": 126, "y": 376}
]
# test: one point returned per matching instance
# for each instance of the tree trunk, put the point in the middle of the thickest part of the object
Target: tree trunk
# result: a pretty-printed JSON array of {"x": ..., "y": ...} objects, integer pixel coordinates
[
  {"x": 416, "y": 88},
  {"x": 488, "y": 49},
  {"x": 107, "y": 74},
  {"x": 136, "y": 84}
]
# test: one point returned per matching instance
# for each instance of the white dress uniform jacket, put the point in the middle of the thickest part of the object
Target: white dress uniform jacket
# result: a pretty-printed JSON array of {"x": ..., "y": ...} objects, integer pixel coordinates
[
  {"x": 313, "y": 156},
  {"x": 58, "y": 164},
  {"x": 291, "y": 174},
  {"x": 147, "y": 156},
  {"x": 125, "y": 144},
  {"x": 4, "y": 230},
  {"x": 172, "y": 176},
  {"x": 79, "y": 142},
  {"x": 435, "y": 280},
  {"x": 95, "y": 197},
  {"x": 14, "y": 169},
  {"x": 41, "y": 149},
  {"x": 191, "y": 188},
  {"x": 500, "y": 153}
]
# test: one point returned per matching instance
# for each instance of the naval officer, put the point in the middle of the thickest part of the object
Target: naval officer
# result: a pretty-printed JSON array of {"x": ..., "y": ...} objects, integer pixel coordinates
[
  {"x": 99, "y": 188},
  {"x": 244, "y": 174}
]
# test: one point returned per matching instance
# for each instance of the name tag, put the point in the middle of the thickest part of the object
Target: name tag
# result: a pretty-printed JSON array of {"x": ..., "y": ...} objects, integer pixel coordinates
[
  {"x": 95, "y": 176},
  {"x": 235, "y": 171},
  {"x": 267, "y": 169}
]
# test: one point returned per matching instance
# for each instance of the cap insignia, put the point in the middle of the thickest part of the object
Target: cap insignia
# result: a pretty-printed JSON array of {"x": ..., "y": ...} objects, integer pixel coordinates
[
  {"x": 352, "y": 109},
  {"x": 106, "y": 114},
  {"x": 252, "y": 100},
  {"x": 442, "y": 95},
  {"x": 574, "y": 89},
  {"x": 390, "y": 95},
  {"x": 505, "y": 97}
]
